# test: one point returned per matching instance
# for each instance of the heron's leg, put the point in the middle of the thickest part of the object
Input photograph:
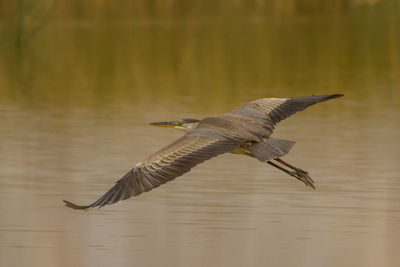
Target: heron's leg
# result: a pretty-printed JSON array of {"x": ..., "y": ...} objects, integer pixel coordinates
[
  {"x": 298, "y": 175},
  {"x": 290, "y": 166}
]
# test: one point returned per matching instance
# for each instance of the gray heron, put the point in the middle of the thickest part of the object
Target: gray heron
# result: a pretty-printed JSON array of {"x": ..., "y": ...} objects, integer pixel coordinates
[{"x": 246, "y": 130}]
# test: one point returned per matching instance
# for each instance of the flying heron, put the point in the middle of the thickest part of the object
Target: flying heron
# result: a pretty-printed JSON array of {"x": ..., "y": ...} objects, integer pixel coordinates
[{"x": 246, "y": 130}]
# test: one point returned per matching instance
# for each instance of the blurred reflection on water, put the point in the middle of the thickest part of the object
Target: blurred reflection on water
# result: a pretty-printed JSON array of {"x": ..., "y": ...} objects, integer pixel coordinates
[{"x": 78, "y": 85}]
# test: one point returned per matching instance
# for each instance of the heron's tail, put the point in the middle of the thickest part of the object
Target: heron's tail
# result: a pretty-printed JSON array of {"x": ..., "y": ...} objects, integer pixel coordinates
[{"x": 270, "y": 148}]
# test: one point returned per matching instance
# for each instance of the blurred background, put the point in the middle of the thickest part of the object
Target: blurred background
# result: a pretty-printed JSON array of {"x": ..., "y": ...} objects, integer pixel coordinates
[{"x": 81, "y": 80}]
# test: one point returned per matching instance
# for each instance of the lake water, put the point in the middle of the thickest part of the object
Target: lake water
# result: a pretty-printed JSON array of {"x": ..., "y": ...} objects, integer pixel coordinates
[{"x": 78, "y": 88}]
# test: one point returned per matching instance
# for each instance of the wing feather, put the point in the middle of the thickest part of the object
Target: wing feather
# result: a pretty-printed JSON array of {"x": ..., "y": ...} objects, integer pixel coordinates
[
  {"x": 163, "y": 166},
  {"x": 273, "y": 110}
]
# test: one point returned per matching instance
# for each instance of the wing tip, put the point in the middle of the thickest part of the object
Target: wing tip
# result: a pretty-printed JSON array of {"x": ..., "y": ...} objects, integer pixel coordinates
[
  {"x": 313, "y": 99},
  {"x": 74, "y": 206},
  {"x": 321, "y": 98},
  {"x": 335, "y": 96}
]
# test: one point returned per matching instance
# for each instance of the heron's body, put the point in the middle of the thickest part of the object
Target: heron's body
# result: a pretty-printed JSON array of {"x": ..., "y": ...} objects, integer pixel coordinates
[{"x": 246, "y": 130}]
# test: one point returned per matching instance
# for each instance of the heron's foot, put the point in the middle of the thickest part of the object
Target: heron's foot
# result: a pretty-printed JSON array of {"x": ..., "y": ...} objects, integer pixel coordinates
[
  {"x": 302, "y": 172},
  {"x": 297, "y": 173},
  {"x": 291, "y": 166},
  {"x": 304, "y": 177}
]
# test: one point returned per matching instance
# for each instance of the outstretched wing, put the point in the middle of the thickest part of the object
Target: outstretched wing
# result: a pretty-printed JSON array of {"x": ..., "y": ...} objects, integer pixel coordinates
[
  {"x": 163, "y": 166},
  {"x": 273, "y": 110}
]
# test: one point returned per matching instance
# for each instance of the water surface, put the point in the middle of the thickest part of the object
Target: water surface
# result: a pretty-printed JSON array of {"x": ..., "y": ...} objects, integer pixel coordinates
[{"x": 78, "y": 90}]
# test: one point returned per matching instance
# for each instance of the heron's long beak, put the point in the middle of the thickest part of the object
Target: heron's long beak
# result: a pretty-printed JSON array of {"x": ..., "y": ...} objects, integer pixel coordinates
[{"x": 169, "y": 124}]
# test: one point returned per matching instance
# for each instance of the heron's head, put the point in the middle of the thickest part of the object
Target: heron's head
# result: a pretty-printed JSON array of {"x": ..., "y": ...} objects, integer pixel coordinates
[{"x": 184, "y": 124}]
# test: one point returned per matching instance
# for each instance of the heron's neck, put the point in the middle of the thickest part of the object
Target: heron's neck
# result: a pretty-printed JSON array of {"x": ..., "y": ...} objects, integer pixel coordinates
[{"x": 188, "y": 127}]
